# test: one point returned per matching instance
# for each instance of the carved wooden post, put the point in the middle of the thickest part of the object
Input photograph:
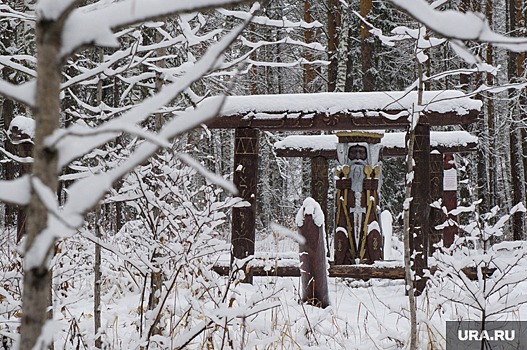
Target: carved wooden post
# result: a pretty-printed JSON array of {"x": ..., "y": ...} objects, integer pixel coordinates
[
  {"x": 450, "y": 197},
  {"x": 320, "y": 186},
  {"x": 313, "y": 263},
  {"x": 245, "y": 179},
  {"x": 436, "y": 193},
  {"x": 357, "y": 230},
  {"x": 420, "y": 206}
]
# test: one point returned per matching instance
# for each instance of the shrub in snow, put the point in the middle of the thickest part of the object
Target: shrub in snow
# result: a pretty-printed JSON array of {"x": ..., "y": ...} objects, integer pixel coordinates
[{"x": 500, "y": 269}]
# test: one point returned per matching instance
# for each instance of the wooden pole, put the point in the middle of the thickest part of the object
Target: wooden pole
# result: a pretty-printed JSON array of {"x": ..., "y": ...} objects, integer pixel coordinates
[
  {"x": 449, "y": 197},
  {"x": 313, "y": 267},
  {"x": 246, "y": 180},
  {"x": 436, "y": 193},
  {"x": 320, "y": 186},
  {"x": 420, "y": 206}
]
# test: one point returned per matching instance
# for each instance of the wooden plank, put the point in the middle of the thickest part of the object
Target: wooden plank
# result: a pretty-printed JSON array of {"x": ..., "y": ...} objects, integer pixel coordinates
[{"x": 299, "y": 121}]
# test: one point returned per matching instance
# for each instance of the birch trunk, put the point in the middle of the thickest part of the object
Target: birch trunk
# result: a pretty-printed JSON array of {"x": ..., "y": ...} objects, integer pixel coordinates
[
  {"x": 37, "y": 274},
  {"x": 342, "y": 53},
  {"x": 407, "y": 234},
  {"x": 368, "y": 79},
  {"x": 333, "y": 24}
]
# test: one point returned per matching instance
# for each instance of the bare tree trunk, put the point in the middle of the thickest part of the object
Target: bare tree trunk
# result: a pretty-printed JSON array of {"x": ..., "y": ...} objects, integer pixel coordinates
[
  {"x": 97, "y": 259},
  {"x": 7, "y": 38},
  {"x": 9, "y": 167},
  {"x": 37, "y": 274},
  {"x": 97, "y": 284},
  {"x": 333, "y": 25},
  {"x": 368, "y": 79},
  {"x": 342, "y": 53},
  {"x": 492, "y": 159},
  {"x": 309, "y": 69},
  {"x": 408, "y": 235},
  {"x": 515, "y": 145}
]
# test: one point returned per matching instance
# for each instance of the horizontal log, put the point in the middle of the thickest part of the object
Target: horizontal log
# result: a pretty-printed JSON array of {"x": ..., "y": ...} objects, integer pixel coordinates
[
  {"x": 346, "y": 271},
  {"x": 386, "y": 152},
  {"x": 336, "y": 121},
  {"x": 394, "y": 144}
]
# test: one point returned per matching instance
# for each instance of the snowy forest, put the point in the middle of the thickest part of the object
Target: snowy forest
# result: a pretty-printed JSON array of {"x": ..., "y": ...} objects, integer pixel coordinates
[{"x": 120, "y": 186}]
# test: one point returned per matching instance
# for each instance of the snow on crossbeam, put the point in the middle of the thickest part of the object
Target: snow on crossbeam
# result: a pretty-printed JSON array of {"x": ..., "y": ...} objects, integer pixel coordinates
[
  {"x": 393, "y": 144},
  {"x": 343, "y": 111}
]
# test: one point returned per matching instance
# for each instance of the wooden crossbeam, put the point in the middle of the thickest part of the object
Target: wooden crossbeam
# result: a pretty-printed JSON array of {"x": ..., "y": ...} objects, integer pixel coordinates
[
  {"x": 338, "y": 121},
  {"x": 342, "y": 111},
  {"x": 311, "y": 146}
]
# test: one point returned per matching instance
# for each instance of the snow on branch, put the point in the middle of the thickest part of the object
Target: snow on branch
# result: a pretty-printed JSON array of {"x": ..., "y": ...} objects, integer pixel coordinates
[
  {"x": 24, "y": 93},
  {"x": 67, "y": 141},
  {"x": 457, "y": 25},
  {"x": 210, "y": 176},
  {"x": 16, "y": 191},
  {"x": 95, "y": 24},
  {"x": 53, "y": 9},
  {"x": 85, "y": 193},
  {"x": 283, "y": 23}
]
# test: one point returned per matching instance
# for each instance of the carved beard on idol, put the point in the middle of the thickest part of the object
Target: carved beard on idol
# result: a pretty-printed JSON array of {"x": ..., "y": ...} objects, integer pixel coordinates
[{"x": 357, "y": 174}]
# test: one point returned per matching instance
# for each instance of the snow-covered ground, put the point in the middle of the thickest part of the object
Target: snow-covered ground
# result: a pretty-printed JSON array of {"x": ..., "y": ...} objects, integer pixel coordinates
[{"x": 205, "y": 311}]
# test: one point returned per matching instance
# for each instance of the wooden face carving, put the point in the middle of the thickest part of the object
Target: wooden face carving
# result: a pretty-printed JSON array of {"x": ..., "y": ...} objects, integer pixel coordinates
[{"x": 357, "y": 153}]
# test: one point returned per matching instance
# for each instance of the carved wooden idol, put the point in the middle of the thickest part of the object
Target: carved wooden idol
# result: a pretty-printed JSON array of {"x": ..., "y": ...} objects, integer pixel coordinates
[{"x": 357, "y": 236}]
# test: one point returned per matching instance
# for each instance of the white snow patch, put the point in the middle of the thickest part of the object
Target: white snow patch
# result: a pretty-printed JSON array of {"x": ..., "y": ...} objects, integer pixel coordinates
[
  {"x": 52, "y": 9},
  {"x": 450, "y": 180},
  {"x": 310, "y": 207},
  {"x": 16, "y": 191},
  {"x": 329, "y": 103},
  {"x": 24, "y": 124},
  {"x": 389, "y": 140},
  {"x": 387, "y": 232},
  {"x": 287, "y": 233}
]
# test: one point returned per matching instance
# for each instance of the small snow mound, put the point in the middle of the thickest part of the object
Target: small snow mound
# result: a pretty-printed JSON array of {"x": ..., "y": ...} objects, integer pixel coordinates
[
  {"x": 21, "y": 129},
  {"x": 310, "y": 207}
]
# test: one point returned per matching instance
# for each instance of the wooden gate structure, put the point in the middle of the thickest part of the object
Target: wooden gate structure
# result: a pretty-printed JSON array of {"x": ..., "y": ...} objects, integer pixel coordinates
[
  {"x": 333, "y": 112},
  {"x": 321, "y": 149}
]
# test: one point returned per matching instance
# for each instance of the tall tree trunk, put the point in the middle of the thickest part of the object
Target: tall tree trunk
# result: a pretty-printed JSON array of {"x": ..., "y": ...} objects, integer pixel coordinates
[
  {"x": 98, "y": 225},
  {"x": 37, "y": 274},
  {"x": 309, "y": 69},
  {"x": 97, "y": 282},
  {"x": 410, "y": 257},
  {"x": 366, "y": 41},
  {"x": 10, "y": 166},
  {"x": 333, "y": 25},
  {"x": 7, "y": 38},
  {"x": 522, "y": 114},
  {"x": 492, "y": 159},
  {"x": 156, "y": 276},
  {"x": 515, "y": 145},
  {"x": 342, "y": 52}
]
